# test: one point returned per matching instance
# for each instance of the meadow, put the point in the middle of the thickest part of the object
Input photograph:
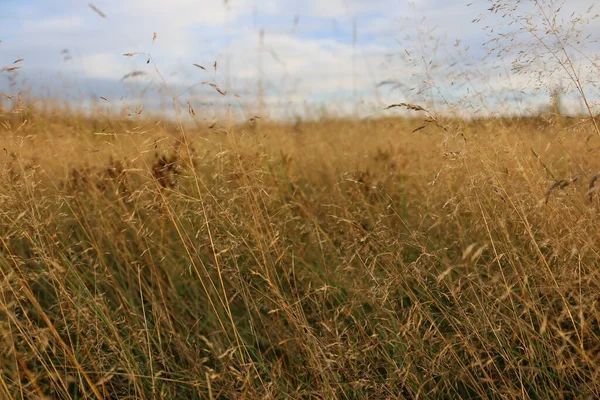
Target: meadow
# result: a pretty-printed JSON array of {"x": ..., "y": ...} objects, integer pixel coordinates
[
  {"x": 443, "y": 254},
  {"x": 338, "y": 258}
]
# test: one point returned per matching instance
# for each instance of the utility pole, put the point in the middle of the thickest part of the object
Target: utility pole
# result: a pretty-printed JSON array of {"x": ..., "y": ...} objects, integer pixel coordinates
[
  {"x": 260, "y": 92},
  {"x": 354, "y": 92}
]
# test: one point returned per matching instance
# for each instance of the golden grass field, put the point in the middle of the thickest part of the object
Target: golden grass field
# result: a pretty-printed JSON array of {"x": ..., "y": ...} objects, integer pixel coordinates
[{"x": 332, "y": 259}]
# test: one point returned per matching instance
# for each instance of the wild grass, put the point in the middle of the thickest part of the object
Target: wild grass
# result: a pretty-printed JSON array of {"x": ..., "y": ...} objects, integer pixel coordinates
[
  {"x": 450, "y": 257},
  {"x": 335, "y": 259}
]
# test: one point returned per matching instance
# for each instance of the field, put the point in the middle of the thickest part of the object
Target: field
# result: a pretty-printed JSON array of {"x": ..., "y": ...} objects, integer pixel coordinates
[
  {"x": 339, "y": 258},
  {"x": 443, "y": 247}
]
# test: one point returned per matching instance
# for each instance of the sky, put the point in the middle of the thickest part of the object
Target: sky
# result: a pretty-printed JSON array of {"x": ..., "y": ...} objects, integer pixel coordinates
[{"x": 277, "y": 58}]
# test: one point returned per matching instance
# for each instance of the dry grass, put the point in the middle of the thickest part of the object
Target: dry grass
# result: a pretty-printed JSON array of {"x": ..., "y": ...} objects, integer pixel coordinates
[
  {"x": 336, "y": 259},
  {"x": 390, "y": 258}
]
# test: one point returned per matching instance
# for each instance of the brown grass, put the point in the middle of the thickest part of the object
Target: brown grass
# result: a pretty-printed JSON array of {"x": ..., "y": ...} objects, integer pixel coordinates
[
  {"x": 388, "y": 258},
  {"x": 354, "y": 259}
]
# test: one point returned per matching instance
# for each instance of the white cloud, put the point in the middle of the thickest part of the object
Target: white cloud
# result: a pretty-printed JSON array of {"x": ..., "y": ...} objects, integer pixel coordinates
[
  {"x": 102, "y": 66},
  {"x": 310, "y": 62},
  {"x": 54, "y": 24},
  {"x": 176, "y": 14}
]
